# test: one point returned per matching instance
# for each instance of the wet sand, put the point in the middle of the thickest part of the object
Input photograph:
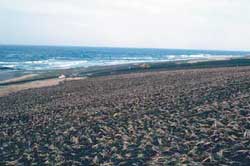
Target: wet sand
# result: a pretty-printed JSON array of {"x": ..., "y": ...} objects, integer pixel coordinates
[
  {"x": 16, "y": 79},
  {"x": 192, "y": 117},
  {"x": 24, "y": 77},
  {"x": 6, "y": 90}
]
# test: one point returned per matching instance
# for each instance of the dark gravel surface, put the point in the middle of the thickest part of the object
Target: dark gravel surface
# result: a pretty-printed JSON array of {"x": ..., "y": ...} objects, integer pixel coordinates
[{"x": 192, "y": 117}]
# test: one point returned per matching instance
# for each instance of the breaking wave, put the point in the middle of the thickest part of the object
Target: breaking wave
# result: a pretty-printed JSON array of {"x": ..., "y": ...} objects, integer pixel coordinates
[
  {"x": 43, "y": 64},
  {"x": 67, "y": 64},
  {"x": 47, "y": 58}
]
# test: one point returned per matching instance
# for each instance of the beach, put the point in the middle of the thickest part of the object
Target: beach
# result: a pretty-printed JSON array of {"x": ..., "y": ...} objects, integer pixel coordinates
[
  {"x": 124, "y": 83},
  {"x": 188, "y": 116}
]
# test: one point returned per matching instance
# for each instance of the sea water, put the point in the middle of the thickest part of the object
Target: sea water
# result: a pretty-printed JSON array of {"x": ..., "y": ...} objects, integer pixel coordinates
[{"x": 29, "y": 58}]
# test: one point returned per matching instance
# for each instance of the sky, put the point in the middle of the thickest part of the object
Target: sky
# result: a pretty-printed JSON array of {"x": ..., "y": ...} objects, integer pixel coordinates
[{"x": 190, "y": 24}]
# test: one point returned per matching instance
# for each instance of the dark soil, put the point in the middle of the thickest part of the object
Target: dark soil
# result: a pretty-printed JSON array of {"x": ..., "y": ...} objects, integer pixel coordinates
[{"x": 193, "y": 117}]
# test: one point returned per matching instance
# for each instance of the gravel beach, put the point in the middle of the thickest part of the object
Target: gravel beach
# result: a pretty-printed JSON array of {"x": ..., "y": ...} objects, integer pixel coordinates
[{"x": 192, "y": 117}]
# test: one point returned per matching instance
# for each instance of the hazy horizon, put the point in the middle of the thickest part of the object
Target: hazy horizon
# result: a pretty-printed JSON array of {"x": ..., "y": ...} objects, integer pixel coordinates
[
  {"x": 122, "y": 47},
  {"x": 181, "y": 24}
]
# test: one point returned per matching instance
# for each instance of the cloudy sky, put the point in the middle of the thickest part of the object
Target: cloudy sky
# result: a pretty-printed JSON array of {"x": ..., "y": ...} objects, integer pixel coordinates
[{"x": 198, "y": 24}]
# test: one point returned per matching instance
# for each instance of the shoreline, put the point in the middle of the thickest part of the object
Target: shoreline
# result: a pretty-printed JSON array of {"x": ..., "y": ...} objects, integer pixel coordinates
[
  {"x": 40, "y": 79},
  {"x": 29, "y": 76}
]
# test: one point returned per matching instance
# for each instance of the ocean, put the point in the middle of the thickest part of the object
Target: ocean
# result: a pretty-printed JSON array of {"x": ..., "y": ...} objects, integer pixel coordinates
[{"x": 30, "y": 58}]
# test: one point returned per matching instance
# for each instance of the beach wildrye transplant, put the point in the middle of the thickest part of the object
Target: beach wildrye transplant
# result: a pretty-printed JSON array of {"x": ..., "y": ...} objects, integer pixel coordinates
[{"x": 124, "y": 83}]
